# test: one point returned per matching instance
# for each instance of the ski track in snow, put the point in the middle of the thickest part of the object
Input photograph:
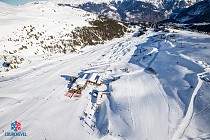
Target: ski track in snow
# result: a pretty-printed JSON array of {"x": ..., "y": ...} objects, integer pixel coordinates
[{"x": 187, "y": 118}]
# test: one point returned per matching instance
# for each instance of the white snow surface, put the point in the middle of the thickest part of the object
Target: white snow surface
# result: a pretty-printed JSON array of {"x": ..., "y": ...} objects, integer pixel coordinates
[{"x": 155, "y": 81}]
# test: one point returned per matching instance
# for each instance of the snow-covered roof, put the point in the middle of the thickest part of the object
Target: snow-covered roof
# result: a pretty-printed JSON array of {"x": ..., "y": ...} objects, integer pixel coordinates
[
  {"x": 92, "y": 77},
  {"x": 80, "y": 82}
]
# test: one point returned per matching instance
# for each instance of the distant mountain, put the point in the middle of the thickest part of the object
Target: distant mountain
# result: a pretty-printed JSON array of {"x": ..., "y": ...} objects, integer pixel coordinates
[
  {"x": 169, "y": 5},
  {"x": 195, "y": 17},
  {"x": 166, "y": 4},
  {"x": 130, "y": 10},
  {"x": 126, "y": 10},
  {"x": 197, "y": 13}
]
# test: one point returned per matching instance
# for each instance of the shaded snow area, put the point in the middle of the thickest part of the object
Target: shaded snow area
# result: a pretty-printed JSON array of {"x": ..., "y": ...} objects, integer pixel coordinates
[
  {"x": 152, "y": 87},
  {"x": 182, "y": 67}
]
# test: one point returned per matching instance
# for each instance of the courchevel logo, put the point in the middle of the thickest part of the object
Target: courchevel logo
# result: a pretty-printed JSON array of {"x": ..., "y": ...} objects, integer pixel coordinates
[{"x": 16, "y": 127}]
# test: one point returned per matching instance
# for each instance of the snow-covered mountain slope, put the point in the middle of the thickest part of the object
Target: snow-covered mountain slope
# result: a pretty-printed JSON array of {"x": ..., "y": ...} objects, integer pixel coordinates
[
  {"x": 41, "y": 29},
  {"x": 155, "y": 86},
  {"x": 144, "y": 105},
  {"x": 31, "y": 29},
  {"x": 171, "y": 104},
  {"x": 185, "y": 55}
]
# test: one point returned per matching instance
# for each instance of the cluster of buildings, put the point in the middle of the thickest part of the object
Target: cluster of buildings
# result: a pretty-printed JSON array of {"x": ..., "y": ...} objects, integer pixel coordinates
[{"x": 80, "y": 83}]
